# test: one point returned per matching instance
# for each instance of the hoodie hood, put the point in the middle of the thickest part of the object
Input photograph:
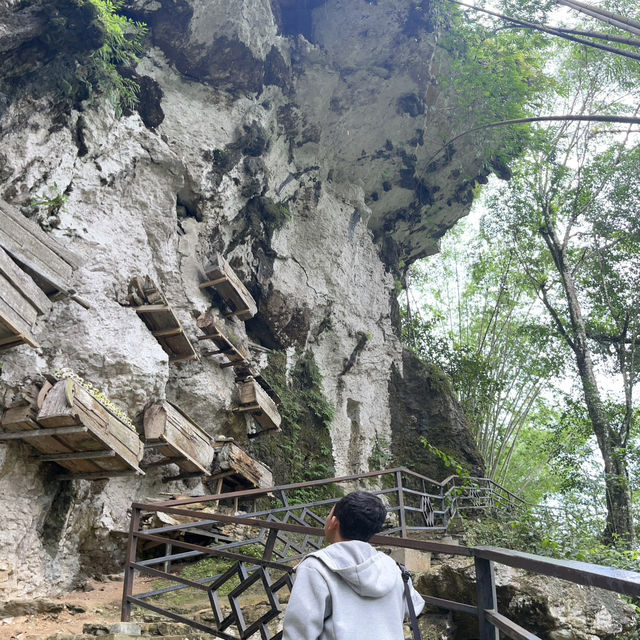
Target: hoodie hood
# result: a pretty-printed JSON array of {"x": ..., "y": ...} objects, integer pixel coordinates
[{"x": 368, "y": 572}]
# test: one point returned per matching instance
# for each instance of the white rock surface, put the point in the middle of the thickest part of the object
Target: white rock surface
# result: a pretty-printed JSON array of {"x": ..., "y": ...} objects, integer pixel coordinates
[{"x": 122, "y": 218}]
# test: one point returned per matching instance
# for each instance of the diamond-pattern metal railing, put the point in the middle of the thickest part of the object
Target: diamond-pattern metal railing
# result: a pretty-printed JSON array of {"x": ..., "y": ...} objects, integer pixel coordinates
[{"x": 213, "y": 555}]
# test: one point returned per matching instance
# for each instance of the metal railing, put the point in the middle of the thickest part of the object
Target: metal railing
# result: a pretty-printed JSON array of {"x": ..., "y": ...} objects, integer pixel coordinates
[{"x": 255, "y": 551}]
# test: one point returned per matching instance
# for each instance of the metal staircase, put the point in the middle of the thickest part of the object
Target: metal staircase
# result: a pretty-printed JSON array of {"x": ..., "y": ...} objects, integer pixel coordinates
[{"x": 279, "y": 525}]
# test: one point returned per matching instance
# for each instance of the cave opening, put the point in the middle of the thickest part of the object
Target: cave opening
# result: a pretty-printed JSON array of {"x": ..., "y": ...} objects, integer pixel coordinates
[{"x": 297, "y": 17}]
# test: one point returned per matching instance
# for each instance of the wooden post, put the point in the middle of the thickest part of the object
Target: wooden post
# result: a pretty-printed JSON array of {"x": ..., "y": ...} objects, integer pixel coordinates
[
  {"x": 403, "y": 519},
  {"x": 168, "y": 550},
  {"x": 270, "y": 544},
  {"x": 129, "y": 571},
  {"x": 487, "y": 599},
  {"x": 218, "y": 490}
]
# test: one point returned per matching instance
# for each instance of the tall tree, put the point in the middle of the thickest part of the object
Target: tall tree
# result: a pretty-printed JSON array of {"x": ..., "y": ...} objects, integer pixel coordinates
[
  {"x": 475, "y": 319},
  {"x": 571, "y": 214}
]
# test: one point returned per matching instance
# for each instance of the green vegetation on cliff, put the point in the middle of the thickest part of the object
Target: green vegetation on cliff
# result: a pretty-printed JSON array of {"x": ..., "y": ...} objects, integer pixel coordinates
[
  {"x": 303, "y": 450},
  {"x": 122, "y": 47}
]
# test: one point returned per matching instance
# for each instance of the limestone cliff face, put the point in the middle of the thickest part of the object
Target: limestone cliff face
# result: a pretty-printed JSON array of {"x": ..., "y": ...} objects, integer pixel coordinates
[{"x": 330, "y": 111}]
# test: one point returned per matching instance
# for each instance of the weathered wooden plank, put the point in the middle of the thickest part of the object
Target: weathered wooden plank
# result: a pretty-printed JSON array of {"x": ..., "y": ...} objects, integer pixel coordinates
[
  {"x": 99, "y": 475},
  {"x": 67, "y": 401},
  {"x": 19, "y": 418},
  {"x": 42, "y": 394},
  {"x": 267, "y": 416},
  {"x": 248, "y": 407},
  {"x": 163, "y": 333},
  {"x": 33, "y": 255},
  {"x": 20, "y": 421},
  {"x": 176, "y": 360},
  {"x": 230, "y": 287},
  {"x": 42, "y": 433},
  {"x": 51, "y": 284},
  {"x": 23, "y": 283},
  {"x": 13, "y": 321},
  {"x": 108, "y": 428},
  {"x": 212, "y": 283},
  {"x": 152, "y": 306},
  {"x": 17, "y": 302},
  {"x": 9, "y": 340},
  {"x": 27, "y": 229},
  {"x": 77, "y": 455},
  {"x": 232, "y": 459},
  {"x": 190, "y": 444}
]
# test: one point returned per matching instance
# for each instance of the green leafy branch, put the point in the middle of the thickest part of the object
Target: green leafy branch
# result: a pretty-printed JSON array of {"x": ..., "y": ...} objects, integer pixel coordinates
[
  {"x": 123, "y": 46},
  {"x": 448, "y": 460}
]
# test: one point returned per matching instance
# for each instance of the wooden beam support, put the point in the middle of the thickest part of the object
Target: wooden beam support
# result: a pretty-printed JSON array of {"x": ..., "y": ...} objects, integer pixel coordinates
[
  {"x": 183, "y": 359},
  {"x": 167, "y": 332},
  {"x": 78, "y": 455},
  {"x": 251, "y": 407},
  {"x": 152, "y": 308},
  {"x": 184, "y": 476},
  {"x": 98, "y": 475},
  {"x": 213, "y": 283},
  {"x": 160, "y": 463},
  {"x": 156, "y": 445},
  {"x": 42, "y": 433}
]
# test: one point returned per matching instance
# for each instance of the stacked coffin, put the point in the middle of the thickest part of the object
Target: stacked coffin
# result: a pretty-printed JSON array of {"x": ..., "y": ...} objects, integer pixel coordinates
[
  {"x": 70, "y": 426},
  {"x": 179, "y": 439},
  {"x": 34, "y": 268}
]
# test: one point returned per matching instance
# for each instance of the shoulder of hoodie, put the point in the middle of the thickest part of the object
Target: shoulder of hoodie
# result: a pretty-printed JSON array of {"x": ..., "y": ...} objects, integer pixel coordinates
[{"x": 316, "y": 560}]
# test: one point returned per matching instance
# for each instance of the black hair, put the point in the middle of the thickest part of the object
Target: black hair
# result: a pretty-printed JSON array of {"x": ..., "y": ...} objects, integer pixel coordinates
[{"x": 361, "y": 515}]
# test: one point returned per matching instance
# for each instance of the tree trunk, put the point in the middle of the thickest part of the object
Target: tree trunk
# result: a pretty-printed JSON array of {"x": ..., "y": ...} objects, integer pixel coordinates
[{"x": 619, "y": 525}]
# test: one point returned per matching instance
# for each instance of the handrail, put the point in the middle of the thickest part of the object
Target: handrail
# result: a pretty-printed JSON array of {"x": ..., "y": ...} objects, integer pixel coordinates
[
  {"x": 625, "y": 582},
  {"x": 289, "y": 531},
  {"x": 585, "y": 573},
  {"x": 255, "y": 493}
]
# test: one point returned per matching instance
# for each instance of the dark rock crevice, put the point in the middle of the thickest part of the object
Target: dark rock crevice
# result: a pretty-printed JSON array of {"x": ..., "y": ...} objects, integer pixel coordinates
[
  {"x": 422, "y": 406},
  {"x": 295, "y": 17}
]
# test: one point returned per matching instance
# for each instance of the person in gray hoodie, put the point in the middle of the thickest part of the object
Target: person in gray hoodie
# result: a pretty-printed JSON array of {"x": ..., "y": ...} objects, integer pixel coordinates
[{"x": 349, "y": 590}]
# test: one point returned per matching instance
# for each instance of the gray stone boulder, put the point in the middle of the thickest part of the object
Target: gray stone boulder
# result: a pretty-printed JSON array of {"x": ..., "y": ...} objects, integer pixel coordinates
[{"x": 553, "y": 609}]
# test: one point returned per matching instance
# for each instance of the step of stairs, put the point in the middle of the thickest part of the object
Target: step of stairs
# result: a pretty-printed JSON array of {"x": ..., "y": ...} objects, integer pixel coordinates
[{"x": 136, "y": 631}]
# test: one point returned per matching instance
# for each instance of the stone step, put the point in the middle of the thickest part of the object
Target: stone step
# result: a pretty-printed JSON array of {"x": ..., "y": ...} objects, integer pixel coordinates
[
  {"x": 192, "y": 635},
  {"x": 160, "y": 630}
]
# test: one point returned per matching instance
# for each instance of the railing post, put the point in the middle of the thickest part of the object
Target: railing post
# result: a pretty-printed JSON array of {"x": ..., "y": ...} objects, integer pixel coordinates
[
  {"x": 443, "y": 507},
  {"x": 403, "y": 519},
  {"x": 129, "y": 571},
  {"x": 487, "y": 600},
  {"x": 270, "y": 544}
]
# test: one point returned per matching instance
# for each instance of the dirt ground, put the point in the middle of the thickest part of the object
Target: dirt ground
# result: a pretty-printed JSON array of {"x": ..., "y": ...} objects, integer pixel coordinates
[{"x": 99, "y": 604}]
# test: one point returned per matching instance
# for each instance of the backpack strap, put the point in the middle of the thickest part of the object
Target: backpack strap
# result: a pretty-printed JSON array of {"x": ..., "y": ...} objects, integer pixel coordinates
[{"x": 406, "y": 578}]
